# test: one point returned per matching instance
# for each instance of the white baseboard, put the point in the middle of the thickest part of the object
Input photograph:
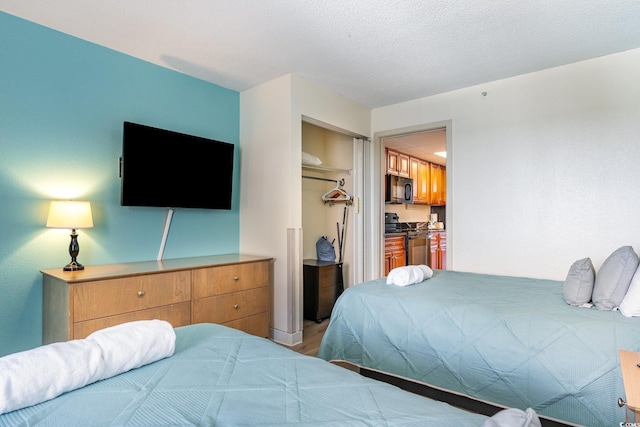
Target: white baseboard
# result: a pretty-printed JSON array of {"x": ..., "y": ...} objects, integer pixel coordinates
[{"x": 286, "y": 338}]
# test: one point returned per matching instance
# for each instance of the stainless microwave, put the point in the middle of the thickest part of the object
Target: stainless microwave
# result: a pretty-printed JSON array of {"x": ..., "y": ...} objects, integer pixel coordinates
[{"x": 398, "y": 189}]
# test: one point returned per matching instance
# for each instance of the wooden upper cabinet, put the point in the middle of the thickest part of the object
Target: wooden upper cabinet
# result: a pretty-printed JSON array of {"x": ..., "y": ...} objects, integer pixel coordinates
[
  {"x": 397, "y": 163},
  {"x": 403, "y": 165},
  {"x": 424, "y": 173},
  {"x": 420, "y": 172},
  {"x": 392, "y": 162},
  {"x": 413, "y": 173},
  {"x": 429, "y": 179},
  {"x": 438, "y": 189}
]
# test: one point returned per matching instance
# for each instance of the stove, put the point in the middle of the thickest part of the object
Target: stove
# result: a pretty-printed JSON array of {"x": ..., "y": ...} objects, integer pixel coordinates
[
  {"x": 392, "y": 224},
  {"x": 417, "y": 242}
]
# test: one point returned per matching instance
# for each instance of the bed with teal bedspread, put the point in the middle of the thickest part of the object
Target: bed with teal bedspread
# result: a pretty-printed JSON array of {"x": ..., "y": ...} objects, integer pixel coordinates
[
  {"x": 223, "y": 377},
  {"x": 507, "y": 340}
]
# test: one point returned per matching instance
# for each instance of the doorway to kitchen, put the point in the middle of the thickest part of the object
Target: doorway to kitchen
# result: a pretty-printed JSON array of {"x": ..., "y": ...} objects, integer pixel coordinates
[{"x": 415, "y": 231}]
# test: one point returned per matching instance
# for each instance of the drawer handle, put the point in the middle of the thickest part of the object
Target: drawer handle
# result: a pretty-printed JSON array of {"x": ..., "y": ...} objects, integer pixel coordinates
[
  {"x": 236, "y": 306},
  {"x": 621, "y": 402},
  {"x": 236, "y": 278},
  {"x": 140, "y": 293}
]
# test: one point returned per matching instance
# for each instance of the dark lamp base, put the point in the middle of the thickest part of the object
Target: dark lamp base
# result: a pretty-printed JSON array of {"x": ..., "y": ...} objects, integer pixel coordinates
[
  {"x": 74, "y": 250},
  {"x": 73, "y": 266}
]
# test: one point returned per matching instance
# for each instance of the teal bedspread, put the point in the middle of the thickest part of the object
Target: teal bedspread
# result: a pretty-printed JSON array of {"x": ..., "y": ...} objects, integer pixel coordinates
[
  {"x": 511, "y": 341},
  {"x": 223, "y": 377}
]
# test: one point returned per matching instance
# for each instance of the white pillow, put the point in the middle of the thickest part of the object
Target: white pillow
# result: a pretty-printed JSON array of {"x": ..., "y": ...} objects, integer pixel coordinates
[
  {"x": 613, "y": 278},
  {"x": 630, "y": 305},
  {"x": 310, "y": 159}
]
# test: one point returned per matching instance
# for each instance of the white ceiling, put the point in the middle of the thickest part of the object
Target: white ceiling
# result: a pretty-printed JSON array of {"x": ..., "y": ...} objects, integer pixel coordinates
[
  {"x": 422, "y": 144},
  {"x": 376, "y": 52}
]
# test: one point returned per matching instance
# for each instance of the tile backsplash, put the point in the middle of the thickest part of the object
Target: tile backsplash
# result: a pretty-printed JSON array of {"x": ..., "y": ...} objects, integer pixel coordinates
[{"x": 416, "y": 213}]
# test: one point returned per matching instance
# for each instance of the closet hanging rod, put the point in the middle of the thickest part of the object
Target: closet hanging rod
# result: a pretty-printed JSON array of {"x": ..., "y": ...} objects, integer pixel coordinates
[{"x": 338, "y": 181}]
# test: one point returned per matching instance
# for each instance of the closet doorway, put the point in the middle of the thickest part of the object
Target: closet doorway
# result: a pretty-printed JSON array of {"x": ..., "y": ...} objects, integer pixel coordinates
[{"x": 330, "y": 171}]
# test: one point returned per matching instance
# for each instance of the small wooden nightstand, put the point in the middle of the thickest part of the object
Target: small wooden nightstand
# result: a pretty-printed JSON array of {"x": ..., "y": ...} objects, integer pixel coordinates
[
  {"x": 323, "y": 284},
  {"x": 629, "y": 361}
]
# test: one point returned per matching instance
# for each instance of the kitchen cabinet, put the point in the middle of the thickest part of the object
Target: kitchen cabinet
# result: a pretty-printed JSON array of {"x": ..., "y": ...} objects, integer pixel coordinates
[
  {"x": 429, "y": 179},
  {"x": 231, "y": 289},
  {"x": 420, "y": 171},
  {"x": 438, "y": 250},
  {"x": 395, "y": 254},
  {"x": 438, "y": 188},
  {"x": 323, "y": 284},
  {"x": 397, "y": 163}
]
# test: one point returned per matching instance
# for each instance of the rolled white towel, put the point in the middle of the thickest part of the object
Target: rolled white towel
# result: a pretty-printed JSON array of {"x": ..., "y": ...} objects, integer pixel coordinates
[
  {"x": 514, "y": 417},
  {"x": 40, "y": 374},
  {"x": 391, "y": 276},
  {"x": 409, "y": 275},
  {"x": 37, "y": 375},
  {"x": 428, "y": 272},
  {"x": 134, "y": 344}
]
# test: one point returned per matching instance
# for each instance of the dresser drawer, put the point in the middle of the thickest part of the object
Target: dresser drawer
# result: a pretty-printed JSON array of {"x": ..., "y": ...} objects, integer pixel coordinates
[
  {"x": 229, "y": 278},
  {"x": 176, "y": 314},
  {"x": 227, "y": 307},
  {"x": 258, "y": 324},
  {"x": 102, "y": 298}
]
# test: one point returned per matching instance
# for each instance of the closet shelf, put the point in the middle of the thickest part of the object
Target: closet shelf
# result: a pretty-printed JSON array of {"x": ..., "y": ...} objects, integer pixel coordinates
[{"x": 326, "y": 169}]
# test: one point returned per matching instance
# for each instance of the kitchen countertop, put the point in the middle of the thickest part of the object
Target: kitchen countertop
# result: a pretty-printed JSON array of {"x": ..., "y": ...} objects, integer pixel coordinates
[
  {"x": 404, "y": 233},
  {"x": 396, "y": 233}
]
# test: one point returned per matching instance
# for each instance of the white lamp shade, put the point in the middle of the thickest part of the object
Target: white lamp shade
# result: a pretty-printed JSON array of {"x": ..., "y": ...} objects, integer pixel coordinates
[{"x": 70, "y": 214}]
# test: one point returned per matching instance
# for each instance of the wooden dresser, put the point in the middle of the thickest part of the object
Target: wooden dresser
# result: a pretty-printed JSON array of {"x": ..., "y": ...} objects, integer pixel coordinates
[
  {"x": 629, "y": 364},
  {"x": 231, "y": 289}
]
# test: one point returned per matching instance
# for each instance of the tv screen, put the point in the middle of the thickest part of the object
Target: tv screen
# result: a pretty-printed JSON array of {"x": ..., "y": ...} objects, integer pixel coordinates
[{"x": 169, "y": 169}]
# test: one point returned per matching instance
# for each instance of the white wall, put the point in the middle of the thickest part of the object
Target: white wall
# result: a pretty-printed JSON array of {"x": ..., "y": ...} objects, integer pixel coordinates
[
  {"x": 541, "y": 172},
  {"x": 271, "y": 194}
]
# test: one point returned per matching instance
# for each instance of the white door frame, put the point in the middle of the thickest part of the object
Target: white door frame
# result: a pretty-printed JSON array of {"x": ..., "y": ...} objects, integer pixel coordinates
[
  {"x": 361, "y": 146},
  {"x": 368, "y": 169},
  {"x": 375, "y": 180}
]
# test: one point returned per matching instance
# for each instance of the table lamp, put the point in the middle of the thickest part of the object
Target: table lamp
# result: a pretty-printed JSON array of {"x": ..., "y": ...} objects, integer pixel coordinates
[{"x": 73, "y": 215}]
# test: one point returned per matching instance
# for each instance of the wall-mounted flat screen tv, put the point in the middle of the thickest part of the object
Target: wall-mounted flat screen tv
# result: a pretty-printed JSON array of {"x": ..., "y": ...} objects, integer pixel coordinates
[{"x": 168, "y": 169}]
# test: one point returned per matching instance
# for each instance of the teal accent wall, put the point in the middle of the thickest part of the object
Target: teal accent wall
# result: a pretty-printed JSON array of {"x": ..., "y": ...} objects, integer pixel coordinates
[{"x": 62, "y": 104}]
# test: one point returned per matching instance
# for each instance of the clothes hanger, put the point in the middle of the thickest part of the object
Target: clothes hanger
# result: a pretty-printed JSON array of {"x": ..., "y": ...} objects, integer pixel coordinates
[{"x": 337, "y": 194}]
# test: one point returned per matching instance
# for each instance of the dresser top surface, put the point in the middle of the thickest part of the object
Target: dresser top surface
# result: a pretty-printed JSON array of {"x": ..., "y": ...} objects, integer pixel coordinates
[
  {"x": 629, "y": 365},
  {"x": 99, "y": 272}
]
